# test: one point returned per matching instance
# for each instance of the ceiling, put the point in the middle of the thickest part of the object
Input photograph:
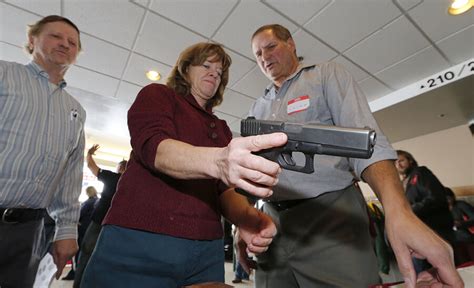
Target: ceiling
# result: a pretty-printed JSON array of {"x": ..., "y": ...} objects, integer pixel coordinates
[{"x": 386, "y": 44}]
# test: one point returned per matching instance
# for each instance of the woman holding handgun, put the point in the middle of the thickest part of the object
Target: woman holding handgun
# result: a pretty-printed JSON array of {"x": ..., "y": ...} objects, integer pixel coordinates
[{"x": 164, "y": 225}]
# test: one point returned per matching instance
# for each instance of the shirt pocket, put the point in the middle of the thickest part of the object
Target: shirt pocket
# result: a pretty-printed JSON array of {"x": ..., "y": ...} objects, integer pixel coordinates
[{"x": 73, "y": 131}]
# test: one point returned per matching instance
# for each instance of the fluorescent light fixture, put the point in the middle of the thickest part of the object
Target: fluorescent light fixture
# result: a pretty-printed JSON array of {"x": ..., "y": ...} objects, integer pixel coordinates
[{"x": 460, "y": 6}]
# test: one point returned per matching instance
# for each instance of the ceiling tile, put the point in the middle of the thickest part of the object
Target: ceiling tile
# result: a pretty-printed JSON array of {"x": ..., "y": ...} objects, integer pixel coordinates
[
  {"x": 163, "y": 40},
  {"x": 14, "y": 23},
  {"x": 128, "y": 92},
  {"x": 44, "y": 7},
  {"x": 235, "y": 103},
  {"x": 312, "y": 49},
  {"x": 139, "y": 65},
  {"x": 96, "y": 83},
  {"x": 195, "y": 14},
  {"x": 459, "y": 46},
  {"x": 346, "y": 22},
  {"x": 111, "y": 61},
  {"x": 373, "y": 89},
  {"x": 355, "y": 71},
  {"x": 434, "y": 20},
  {"x": 13, "y": 53},
  {"x": 242, "y": 23},
  {"x": 384, "y": 48},
  {"x": 240, "y": 66},
  {"x": 116, "y": 21},
  {"x": 414, "y": 68},
  {"x": 253, "y": 84},
  {"x": 408, "y": 4},
  {"x": 299, "y": 10}
]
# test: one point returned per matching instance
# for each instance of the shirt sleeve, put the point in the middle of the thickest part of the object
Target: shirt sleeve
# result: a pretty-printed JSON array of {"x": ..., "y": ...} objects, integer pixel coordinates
[
  {"x": 349, "y": 108},
  {"x": 65, "y": 207},
  {"x": 150, "y": 121}
]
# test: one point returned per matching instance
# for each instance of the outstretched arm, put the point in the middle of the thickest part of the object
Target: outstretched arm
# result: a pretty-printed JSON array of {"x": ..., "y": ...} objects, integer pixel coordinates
[
  {"x": 90, "y": 161},
  {"x": 407, "y": 234},
  {"x": 235, "y": 165}
]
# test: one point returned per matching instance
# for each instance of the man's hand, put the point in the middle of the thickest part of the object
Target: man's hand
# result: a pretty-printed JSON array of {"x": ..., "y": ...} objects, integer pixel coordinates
[
  {"x": 407, "y": 234},
  {"x": 93, "y": 149},
  {"x": 63, "y": 250},
  {"x": 242, "y": 254},
  {"x": 409, "y": 237},
  {"x": 238, "y": 167},
  {"x": 254, "y": 239}
]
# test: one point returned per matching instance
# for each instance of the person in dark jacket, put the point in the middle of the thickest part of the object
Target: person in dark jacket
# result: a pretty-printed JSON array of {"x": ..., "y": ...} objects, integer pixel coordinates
[
  {"x": 85, "y": 218},
  {"x": 426, "y": 195},
  {"x": 463, "y": 216},
  {"x": 110, "y": 180}
]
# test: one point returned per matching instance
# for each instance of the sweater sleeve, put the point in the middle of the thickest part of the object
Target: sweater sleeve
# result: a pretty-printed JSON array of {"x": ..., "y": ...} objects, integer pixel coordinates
[{"x": 150, "y": 121}]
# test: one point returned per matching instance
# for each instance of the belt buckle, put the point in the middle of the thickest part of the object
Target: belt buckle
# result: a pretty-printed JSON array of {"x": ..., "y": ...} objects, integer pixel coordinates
[{"x": 7, "y": 213}]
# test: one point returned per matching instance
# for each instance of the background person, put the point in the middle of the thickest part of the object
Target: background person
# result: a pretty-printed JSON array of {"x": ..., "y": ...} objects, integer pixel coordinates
[
  {"x": 168, "y": 205},
  {"x": 427, "y": 198},
  {"x": 87, "y": 207},
  {"x": 41, "y": 152},
  {"x": 463, "y": 217},
  {"x": 110, "y": 180}
]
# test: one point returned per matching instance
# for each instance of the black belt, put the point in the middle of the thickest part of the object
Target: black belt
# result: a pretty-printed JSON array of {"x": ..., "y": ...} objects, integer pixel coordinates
[
  {"x": 21, "y": 215},
  {"x": 286, "y": 204}
]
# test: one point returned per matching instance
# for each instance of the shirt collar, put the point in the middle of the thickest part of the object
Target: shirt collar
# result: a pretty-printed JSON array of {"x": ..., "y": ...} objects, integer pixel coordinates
[
  {"x": 301, "y": 66},
  {"x": 39, "y": 71}
]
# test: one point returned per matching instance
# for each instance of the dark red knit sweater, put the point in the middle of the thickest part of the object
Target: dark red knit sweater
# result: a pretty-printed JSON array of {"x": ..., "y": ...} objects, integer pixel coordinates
[{"x": 151, "y": 201}]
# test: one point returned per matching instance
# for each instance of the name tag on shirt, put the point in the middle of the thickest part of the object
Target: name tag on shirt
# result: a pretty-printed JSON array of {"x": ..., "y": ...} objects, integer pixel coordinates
[{"x": 297, "y": 104}]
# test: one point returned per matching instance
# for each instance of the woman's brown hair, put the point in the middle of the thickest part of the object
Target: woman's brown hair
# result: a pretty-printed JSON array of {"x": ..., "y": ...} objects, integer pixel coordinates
[{"x": 196, "y": 55}]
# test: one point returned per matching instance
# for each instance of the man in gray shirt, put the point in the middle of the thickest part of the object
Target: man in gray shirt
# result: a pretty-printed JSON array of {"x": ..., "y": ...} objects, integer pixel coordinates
[
  {"x": 323, "y": 238},
  {"x": 41, "y": 152}
]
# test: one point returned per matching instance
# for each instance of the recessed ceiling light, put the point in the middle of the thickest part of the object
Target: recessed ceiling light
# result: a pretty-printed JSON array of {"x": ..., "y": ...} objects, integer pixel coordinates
[
  {"x": 153, "y": 75},
  {"x": 460, "y": 6}
]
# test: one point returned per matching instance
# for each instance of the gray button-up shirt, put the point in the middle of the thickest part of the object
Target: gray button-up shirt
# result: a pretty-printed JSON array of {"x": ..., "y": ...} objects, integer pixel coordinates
[
  {"x": 321, "y": 94},
  {"x": 41, "y": 145}
]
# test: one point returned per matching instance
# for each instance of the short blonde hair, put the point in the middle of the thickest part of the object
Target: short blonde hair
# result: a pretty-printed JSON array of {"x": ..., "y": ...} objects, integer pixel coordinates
[
  {"x": 91, "y": 192},
  {"x": 195, "y": 55}
]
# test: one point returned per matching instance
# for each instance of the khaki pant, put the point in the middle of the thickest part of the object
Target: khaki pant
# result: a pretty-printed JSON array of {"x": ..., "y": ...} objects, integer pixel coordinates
[{"x": 322, "y": 242}]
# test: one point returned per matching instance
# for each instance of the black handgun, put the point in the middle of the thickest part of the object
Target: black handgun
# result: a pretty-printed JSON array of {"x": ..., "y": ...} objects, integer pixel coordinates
[{"x": 311, "y": 139}]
